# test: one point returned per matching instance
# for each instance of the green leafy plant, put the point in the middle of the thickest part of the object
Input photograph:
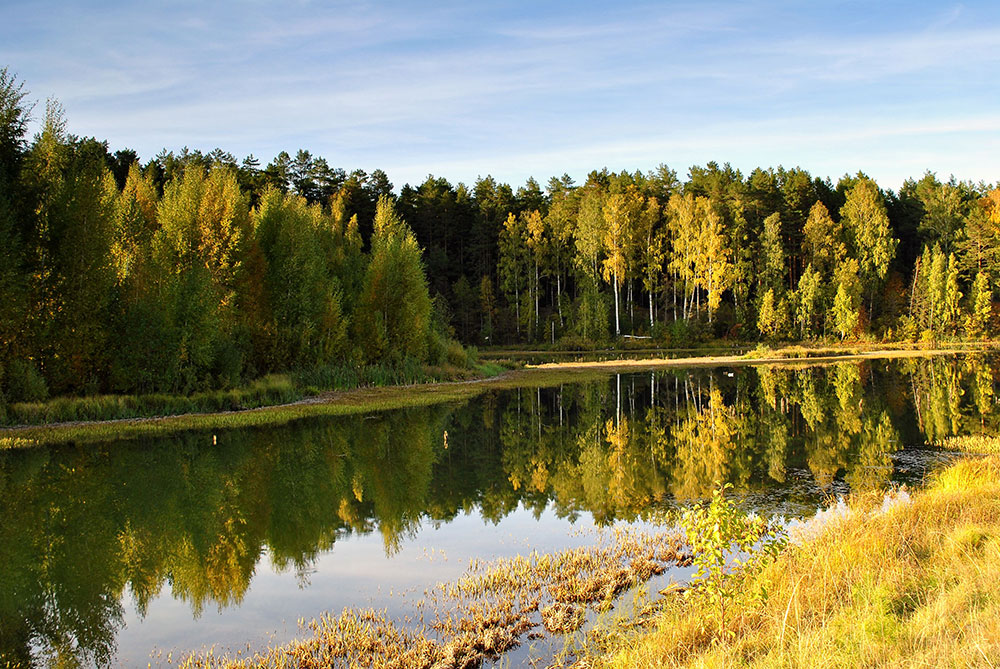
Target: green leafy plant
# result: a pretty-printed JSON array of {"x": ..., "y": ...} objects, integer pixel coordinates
[{"x": 725, "y": 540}]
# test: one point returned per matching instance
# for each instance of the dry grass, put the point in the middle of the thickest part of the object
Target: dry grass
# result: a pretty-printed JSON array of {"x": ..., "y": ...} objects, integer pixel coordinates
[
  {"x": 975, "y": 444},
  {"x": 912, "y": 586},
  {"x": 480, "y": 616}
]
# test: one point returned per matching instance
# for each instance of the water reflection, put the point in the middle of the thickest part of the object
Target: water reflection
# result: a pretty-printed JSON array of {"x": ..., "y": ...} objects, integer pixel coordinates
[{"x": 84, "y": 527}]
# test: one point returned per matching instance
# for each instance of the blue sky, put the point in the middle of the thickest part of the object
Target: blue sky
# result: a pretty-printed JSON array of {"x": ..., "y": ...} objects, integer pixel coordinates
[{"x": 520, "y": 89}]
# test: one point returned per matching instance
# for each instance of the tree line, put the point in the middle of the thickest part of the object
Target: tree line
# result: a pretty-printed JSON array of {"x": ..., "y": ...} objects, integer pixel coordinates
[
  {"x": 774, "y": 255},
  {"x": 194, "y": 270}
]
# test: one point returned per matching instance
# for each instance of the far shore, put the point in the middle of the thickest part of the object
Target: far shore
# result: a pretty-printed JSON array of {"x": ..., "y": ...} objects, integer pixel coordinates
[{"x": 371, "y": 399}]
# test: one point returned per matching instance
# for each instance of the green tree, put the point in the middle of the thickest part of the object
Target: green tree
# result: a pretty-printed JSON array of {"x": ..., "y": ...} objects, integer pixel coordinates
[
  {"x": 714, "y": 269},
  {"x": 952, "y": 298},
  {"x": 845, "y": 312},
  {"x": 14, "y": 113},
  {"x": 772, "y": 272},
  {"x": 808, "y": 299},
  {"x": 393, "y": 313},
  {"x": 305, "y": 319},
  {"x": 768, "y": 320},
  {"x": 937, "y": 281},
  {"x": 867, "y": 224},
  {"x": 620, "y": 213},
  {"x": 487, "y": 308},
  {"x": 981, "y": 303},
  {"x": 651, "y": 249},
  {"x": 71, "y": 241},
  {"x": 823, "y": 245},
  {"x": 682, "y": 223},
  {"x": 514, "y": 262},
  {"x": 538, "y": 240}
]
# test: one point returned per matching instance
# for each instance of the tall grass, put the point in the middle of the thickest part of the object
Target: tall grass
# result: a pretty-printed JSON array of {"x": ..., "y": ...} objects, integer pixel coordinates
[
  {"x": 912, "y": 586},
  {"x": 271, "y": 390}
]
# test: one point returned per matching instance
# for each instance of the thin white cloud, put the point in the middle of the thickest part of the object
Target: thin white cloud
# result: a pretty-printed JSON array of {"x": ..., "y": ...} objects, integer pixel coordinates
[{"x": 465, "y": 87}]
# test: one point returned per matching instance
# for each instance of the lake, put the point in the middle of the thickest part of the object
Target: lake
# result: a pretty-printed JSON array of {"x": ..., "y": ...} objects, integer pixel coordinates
[{"x": 131, "y": 552}]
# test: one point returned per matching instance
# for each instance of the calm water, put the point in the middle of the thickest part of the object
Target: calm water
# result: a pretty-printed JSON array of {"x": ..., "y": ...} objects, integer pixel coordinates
[{"x": 119, "y": 554}]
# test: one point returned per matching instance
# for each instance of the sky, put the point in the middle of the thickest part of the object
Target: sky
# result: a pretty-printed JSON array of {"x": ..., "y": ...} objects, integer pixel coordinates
[{"x": 517, "y": 89}]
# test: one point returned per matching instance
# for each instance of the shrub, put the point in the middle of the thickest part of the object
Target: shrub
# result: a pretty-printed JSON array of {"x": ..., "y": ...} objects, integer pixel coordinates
[
  {"x": 456, "y": 355},
  {"x": 437, "y": 348},
  {"x": 24, "y": 383},
  {"x": 716, "y": 532}
]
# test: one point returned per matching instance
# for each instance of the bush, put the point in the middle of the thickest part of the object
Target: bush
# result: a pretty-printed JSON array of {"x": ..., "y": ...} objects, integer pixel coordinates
[
  {"x": 724, "y": 538},
  {"x": 228, "y": 364},
  {"x": 456, "y": 355},
  {"x": 437, "y": 348},
  {"x": 684, "y": 334},
  {"x": 573, "y": 343},
  {"x": 24, "y": 383}
]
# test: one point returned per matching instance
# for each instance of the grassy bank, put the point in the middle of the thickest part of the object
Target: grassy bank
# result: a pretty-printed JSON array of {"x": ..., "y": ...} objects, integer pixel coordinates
[
  {"x": 332, "y": 403},
  {"x": 279, "y": 399},
  {"x": 911, "y": 586},
  {"x": 268, "y": 391}
]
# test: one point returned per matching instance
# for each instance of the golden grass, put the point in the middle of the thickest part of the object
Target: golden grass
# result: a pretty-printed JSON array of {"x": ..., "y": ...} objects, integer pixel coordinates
[
  {"x": 480, "y": 616},
  {"x": 975, "y": 444},
  {"x": 913, "y": 586}
]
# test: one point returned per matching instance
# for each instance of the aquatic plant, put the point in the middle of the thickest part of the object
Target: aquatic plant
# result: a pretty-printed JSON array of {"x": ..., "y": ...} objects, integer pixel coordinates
[{"x": 479, "y": 616}]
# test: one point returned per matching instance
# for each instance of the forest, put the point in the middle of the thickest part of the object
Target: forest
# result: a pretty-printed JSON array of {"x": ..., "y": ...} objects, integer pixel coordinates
[{"x": 193, "y": 271}]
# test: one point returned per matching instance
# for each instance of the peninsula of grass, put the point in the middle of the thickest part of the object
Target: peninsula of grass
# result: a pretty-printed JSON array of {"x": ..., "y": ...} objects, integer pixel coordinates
[
  {"x": 280, "y": 399},
  {"x": 913, "y": 585}
]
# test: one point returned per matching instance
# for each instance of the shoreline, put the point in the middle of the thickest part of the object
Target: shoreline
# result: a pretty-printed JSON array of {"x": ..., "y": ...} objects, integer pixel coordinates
[
  {"x": 817, "y": 597},
  {"x": 882, "y": 585},
  {"x": 364, "y": 400}
]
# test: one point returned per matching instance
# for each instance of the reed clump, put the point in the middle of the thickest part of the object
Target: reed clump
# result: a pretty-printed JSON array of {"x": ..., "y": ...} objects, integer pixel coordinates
[{"x": 482, "y": 615}]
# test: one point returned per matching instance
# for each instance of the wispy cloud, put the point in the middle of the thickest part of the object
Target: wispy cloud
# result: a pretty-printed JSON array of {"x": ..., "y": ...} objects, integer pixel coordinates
[{"x": 522, "y": 88}]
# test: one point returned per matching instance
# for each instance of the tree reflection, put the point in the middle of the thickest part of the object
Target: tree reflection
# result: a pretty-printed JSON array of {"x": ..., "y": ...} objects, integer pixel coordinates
[{"x": 198, "y": 517}]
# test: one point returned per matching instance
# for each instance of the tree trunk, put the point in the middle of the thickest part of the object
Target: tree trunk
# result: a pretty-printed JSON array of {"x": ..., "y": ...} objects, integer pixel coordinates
[
  {"x": 650, "y": 312},
  {"x": 618, "y": 331},
  {"x": 517, "y": 310},
  {"x": 536, "y": 296},
  {"x": 559, "y": 297}
]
